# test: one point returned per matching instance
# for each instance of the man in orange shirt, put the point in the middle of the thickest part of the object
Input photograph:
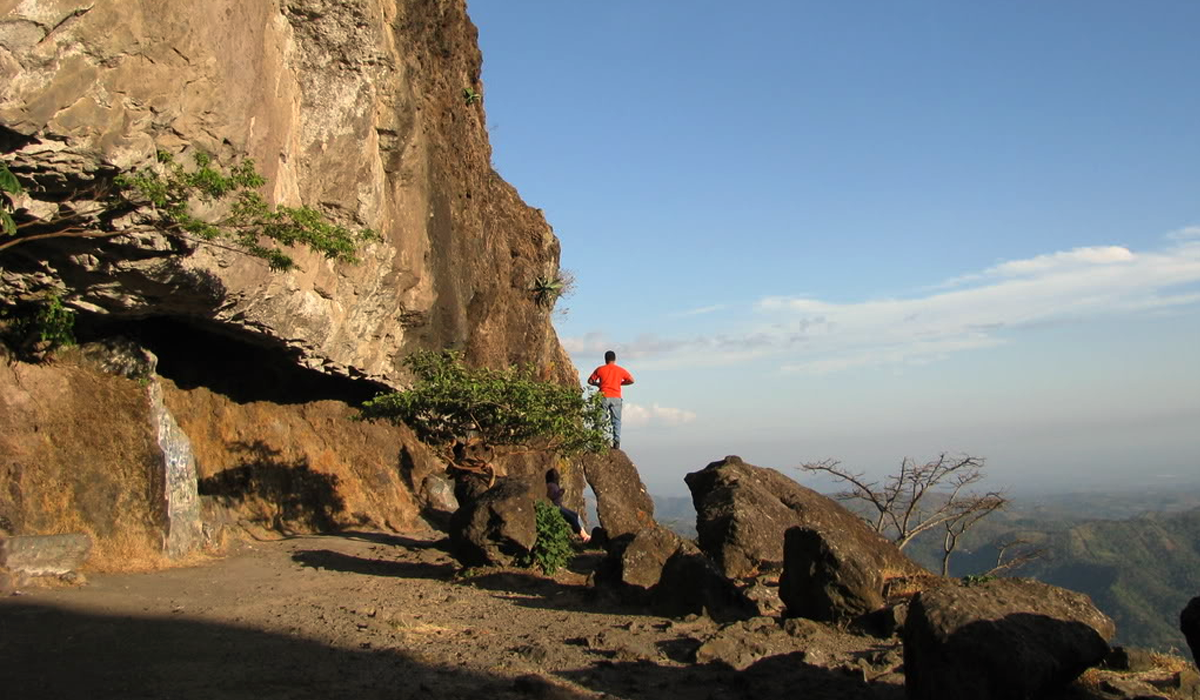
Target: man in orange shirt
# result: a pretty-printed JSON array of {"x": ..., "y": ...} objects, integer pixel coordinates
[{"x": 610, "y": 377}]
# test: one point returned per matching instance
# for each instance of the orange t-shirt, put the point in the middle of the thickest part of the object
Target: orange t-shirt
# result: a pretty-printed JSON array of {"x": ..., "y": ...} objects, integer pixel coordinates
[{"x": 610, "y": 377}]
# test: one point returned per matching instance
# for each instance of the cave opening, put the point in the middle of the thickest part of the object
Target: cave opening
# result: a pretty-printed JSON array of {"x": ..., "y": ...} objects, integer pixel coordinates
[{"x": 195, "y": 353}]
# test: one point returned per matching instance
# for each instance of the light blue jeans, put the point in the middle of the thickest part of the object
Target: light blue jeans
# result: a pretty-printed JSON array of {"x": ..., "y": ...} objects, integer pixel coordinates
[{"x": 614, "y": 414}]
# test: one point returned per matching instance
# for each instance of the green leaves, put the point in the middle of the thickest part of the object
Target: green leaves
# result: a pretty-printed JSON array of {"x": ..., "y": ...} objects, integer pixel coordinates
[
  {"x": 250, "y": 222},
  {"x": 470, "y": 97},
  {"x": 503, "y": 408},
  {"x": 552, "y": 547},
  {"x": 8, "y": 186}
]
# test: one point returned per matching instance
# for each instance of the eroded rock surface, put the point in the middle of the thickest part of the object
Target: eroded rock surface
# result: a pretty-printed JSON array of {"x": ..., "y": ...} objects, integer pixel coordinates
[
  {"x": 1006, "y": 638},
  {"x": 622, "y": 502}
]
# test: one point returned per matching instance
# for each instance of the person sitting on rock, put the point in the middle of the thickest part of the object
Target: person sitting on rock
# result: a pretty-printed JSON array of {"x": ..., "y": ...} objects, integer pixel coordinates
[{"x": 555, "y": 492}]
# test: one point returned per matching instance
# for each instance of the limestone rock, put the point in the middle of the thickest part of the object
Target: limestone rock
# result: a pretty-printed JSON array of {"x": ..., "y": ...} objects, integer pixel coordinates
[
  {"x": 622, "y": 502},
  {"x": 1189, "y": 624},
  {"x": 497, "y": 528},
  {"x": 742, "y": 512},
  {"x": 1002, "y": 639}
]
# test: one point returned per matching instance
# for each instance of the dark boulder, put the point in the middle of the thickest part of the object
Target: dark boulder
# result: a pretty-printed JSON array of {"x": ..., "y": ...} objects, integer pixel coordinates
[
  {"x": 1189, "y": 624},
  {"x": 622, "y": 503},
  {"x": 495, "y": 527},
  {"x": 834, "y": 577},
  {"x": 742, "y": 512},
  {"x": 636, "y": 560},
  {"x": 1001, "y": 639},
  {"x": 691, "y": 584}
]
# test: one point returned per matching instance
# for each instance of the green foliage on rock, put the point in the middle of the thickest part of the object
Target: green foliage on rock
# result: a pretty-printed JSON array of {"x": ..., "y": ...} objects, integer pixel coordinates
[
  {"x": 513, "y": 409},
  {"x": 164, "y": 195},
  {"x": 33, "y": 330},
  {"x": 8, "y": 187},
  {"x": 552, "y": 548},
  {"x": 171, "y": 188}
]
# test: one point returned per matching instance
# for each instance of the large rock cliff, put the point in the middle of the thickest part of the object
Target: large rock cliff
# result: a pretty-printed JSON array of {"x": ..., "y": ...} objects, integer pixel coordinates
[{"x": 354, "y": 107}]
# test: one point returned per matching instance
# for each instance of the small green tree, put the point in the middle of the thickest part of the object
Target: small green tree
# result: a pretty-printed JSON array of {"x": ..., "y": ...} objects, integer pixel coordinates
[
  {"x": 165, "y": 193},
  {"x": 470, "y": 413},
  {"x": 552, "y": 547}
]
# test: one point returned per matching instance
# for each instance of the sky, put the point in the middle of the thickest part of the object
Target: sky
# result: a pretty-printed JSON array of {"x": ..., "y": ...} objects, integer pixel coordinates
[{"x": 870, "y": 230}]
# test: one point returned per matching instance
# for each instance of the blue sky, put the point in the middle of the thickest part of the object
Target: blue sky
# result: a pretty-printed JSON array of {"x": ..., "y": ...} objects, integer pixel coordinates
[{"x": 870, "y": 230}]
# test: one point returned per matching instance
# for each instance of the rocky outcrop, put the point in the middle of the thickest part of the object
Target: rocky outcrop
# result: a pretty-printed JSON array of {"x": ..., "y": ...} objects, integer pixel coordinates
[
  {"x": 622, "y": 502},
  {"x": 636, "y": 560},
  {"x": 355, "y": 107},
  {"x": 1189, "y": 624},
  {"x": 834, "y": 576},
  {"x": 497, "y": 528},
  {"x": 1002, "y": 639},
  {"x": 742, "y": 512}
]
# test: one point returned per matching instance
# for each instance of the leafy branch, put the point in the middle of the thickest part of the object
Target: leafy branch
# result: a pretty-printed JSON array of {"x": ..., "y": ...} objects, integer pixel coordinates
[{"x": 166, "y": 191}]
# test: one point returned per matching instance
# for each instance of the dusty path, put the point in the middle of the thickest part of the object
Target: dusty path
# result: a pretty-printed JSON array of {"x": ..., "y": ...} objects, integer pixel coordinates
[{"x": 365, "y": 615}]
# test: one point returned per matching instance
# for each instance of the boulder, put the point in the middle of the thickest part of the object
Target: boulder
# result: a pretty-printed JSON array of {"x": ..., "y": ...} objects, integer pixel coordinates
[
  {"x": 44, "y": 555},
  {"x": 1189, "y": 624},
  {"x": 497, "y": 527},
  {"x": 690, "y": 584},
  {"x": 636, "y": 560},
  {"x": 834, "y": 577},
  {"x": 622, "y": 502},
  {"x": 1005, "y": 638},
  {"x": 742, "y": 512}
]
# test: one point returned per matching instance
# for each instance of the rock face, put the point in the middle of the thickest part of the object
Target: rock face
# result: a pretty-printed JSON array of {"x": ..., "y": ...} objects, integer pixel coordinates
[
  {"x": 355, "y": 107},
  {"x": 1005, "y": 638},
  {"x": 622, "y": 503},
  {"x": 742, "y": 512},
  {"x": 497, "y": 528},
  {"x": 1189, "y": 624}
]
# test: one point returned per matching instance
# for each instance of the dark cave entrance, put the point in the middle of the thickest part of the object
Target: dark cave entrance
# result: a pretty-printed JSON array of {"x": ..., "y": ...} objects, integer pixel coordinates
[{"x": 196, "y": 353}]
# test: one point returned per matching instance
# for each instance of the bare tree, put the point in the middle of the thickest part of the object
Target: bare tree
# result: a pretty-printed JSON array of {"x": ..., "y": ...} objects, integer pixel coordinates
[
  {"x": 920, "y": 497},
  {"x": 965, "y": 514},
  {"x": 1023, "y": 556}
]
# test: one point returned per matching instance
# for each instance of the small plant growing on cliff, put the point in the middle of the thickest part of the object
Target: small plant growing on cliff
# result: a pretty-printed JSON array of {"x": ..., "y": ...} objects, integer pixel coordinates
[
  {"x": 552, "y": 547},
  {"x": 549, "y": 289},
  {"x": 8, "y": 186},
  {"x": 35, "y": 329},
  {"x": 469, "y": 414},
  {"x": 163, "y": 196},
  {"x": 470, "y": 97}
]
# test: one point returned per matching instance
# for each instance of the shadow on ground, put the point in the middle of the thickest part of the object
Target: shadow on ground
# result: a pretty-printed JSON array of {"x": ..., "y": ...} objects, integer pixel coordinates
[{"x": 48, "y": 652}]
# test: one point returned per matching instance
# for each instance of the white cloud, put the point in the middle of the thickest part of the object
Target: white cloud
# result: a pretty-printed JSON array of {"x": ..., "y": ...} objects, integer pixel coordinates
[
  {"x": 704, "y": 310},
  {"x": 970, "y": 312},
  {"x": 638, "y": 416},
  {"x": 1185, "y": 233}
]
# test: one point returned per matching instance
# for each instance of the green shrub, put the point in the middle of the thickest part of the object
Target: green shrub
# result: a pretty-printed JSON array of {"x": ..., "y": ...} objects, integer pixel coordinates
[
  {"x": 509, "y": 409},
  {"x": 552, "y": 548},
  {"x": 33, "y": 330}
]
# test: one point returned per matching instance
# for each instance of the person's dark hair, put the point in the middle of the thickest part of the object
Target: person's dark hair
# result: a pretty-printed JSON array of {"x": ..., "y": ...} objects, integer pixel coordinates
[
  {"x": 552, "y": 476},
  {"x": 610, "y": 356}
]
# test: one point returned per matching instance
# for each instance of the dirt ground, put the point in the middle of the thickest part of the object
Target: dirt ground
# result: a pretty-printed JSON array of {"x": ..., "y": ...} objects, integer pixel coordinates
[{"x": 369, "y": 615}]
